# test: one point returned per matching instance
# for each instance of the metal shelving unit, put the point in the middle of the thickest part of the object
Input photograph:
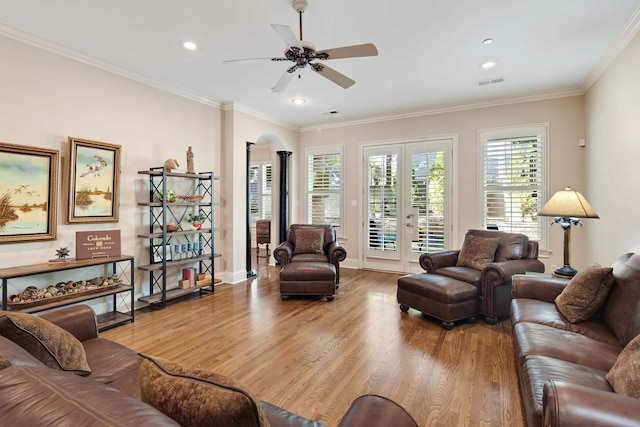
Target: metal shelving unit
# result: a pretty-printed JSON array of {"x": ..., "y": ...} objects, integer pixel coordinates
[{"x": 161, "y": 241}]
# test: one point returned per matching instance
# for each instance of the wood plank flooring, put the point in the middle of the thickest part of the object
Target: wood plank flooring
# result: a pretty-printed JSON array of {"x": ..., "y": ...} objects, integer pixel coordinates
[{"x": 315, "y": 357}]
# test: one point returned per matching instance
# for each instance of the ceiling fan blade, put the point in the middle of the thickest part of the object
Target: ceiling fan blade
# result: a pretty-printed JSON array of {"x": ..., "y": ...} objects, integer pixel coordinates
[
  {"x": 287, "y": 35},
  {"x": 282, "y": 84},
  {"x": 333, "y": 75},
  {"x": 247, "y": 60},
  {"x": 354, "y": 51}
]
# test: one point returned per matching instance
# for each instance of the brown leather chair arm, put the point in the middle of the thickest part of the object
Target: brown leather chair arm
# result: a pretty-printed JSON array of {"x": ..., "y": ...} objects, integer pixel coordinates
[
  {"x": 80, "y": 320},
  {"x": 537, "y": 287},
  {"x": 283, "y": 252},
  {"x": 372, "y": 410},
  {"x": 431, "y": 262},
  {"x": 336, "y": 252},
  {"x": 573, "y": 405},
  {"x": 499, "y": 273}
]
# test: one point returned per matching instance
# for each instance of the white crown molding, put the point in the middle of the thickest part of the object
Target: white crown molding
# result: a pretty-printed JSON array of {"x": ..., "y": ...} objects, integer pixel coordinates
[
  {"x": 627, "y": 33},
  {"x": 41, "y": 43},
  {"x": 235, "y": 106},
  {"x": 543, "y": 96}
]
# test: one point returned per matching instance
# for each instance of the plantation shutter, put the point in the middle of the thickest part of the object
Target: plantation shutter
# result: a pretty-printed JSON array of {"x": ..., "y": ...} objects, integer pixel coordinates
[
  {"x": 266, "y": 192},
  {"x": 324, "y": 189},
  {"x": 513, "y": 184}
]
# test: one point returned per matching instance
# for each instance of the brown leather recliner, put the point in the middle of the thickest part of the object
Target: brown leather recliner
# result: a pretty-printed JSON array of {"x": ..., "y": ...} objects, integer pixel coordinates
[
  {"x": 516, "y": 254},
  {"x": 333, "y": 252}
]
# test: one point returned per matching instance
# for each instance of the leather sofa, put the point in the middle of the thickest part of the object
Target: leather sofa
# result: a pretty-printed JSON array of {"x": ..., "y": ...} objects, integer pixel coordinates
[
  {"x": 515, "y": 254},
  {"x": 33, "y": 394},
  {"x": 332, "y": 251},
  {"x": 562, "y": 366}
]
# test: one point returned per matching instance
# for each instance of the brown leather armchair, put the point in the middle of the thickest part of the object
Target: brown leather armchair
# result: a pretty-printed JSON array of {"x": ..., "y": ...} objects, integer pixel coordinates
[
  {"x": 516, "y": 254},
  {"x": 333, "y": 252}
]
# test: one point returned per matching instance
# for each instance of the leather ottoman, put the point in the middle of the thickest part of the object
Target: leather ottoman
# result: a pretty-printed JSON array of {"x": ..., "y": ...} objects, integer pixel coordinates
[
  {"x": 438, "y": 296},
  {"x": 308, "y": 278}
]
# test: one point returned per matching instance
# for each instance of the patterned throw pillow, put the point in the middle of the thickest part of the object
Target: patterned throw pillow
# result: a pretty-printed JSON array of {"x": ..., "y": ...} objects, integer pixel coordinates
[
  {"x": 477, "y": 252},
  {"x": 309, "y": 241},
  {"x": 194, "y": 397},
  {"x": 624, "y": 376},
  {"x": 585, "y": 293},
  {"x": 49, "y": 343}
]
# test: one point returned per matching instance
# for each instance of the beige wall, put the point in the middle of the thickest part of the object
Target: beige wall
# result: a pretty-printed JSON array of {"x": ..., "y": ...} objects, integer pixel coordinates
[
  {"x": 612, "y": 110},
  {"x": 566, "y": 158},
  {"x": 44, "y": 98}
]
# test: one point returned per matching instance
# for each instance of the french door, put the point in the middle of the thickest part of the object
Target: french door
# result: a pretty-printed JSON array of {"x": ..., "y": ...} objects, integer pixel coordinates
[{"x": 406, "y": 209}]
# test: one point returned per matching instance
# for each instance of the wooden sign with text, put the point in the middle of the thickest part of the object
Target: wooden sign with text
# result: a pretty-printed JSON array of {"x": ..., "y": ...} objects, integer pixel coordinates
[{"x": 97, "y": 244}]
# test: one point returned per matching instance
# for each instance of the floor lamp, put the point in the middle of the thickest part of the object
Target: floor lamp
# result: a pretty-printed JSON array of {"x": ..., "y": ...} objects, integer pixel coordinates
[{"x": 567, "y": 206}]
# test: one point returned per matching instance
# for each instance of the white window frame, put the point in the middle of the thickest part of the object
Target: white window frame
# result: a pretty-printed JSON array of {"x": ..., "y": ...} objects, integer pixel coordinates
[
  {"x": 514, "y": 132},
  {"x": 325, "y": 150}
]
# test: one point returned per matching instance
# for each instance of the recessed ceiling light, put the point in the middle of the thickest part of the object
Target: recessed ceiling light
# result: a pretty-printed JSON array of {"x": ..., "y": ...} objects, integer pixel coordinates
[
  {"x": 487, "y": 41},
  {"x": 487, "y": 65},
  {"x": 190, "y": 45},
  {"x": 298, "y": 101}
]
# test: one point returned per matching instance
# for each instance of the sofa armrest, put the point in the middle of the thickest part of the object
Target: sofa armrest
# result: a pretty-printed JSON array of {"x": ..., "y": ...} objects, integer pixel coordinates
[
  {"x": 572, "y": 405},
  {"x": 432, "y": 262},
  {"x": 336, "y": 252},
  {"x": 80, "y": 320},
  {"x": 283, "y": 252},
  {"x": 537, "y": 287},
  {"x": 373, "y": 410}
]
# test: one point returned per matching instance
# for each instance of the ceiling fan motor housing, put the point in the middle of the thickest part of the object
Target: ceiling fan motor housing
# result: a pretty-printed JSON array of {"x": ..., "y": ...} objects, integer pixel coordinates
[{"x": 300, "y": 5}]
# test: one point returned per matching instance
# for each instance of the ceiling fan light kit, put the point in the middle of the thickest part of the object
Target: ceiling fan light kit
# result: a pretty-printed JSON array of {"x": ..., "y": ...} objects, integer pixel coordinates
[{"x": 303, "y": 53}]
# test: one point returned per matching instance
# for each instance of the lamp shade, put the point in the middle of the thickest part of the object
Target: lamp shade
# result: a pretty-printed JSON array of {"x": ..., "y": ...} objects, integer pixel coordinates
[{"x": 568, "y": 203}]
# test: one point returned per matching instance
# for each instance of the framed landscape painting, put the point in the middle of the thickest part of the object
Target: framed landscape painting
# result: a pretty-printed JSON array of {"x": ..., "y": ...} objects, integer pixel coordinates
[
  {"x": 93, "y": 178},
  {"x": 28, "y": 193}
]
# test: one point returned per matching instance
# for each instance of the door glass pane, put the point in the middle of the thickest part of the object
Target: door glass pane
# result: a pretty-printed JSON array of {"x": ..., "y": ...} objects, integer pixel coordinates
[
  {"x": 427, "y": 201},
  {"x": 382, "y": 209}
]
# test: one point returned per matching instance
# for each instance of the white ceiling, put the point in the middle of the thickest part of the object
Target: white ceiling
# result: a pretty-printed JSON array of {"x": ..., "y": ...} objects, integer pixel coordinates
[{"x": 430, "y": 51}]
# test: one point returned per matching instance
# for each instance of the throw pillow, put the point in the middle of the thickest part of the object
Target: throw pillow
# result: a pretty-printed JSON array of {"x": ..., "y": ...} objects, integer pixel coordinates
[
  {"x": 49, "y": 343},
  {"x": 476, "y": 252},
  {"x": 309, "y": 241},
  {"x": 624, "y": 376},
  {"x": 194, "y": 397},
  {"x": 585, "y": 293}
]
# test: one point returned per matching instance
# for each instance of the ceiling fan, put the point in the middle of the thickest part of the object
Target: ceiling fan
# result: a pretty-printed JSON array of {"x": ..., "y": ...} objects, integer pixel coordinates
[{"x": 303, "y": 53}]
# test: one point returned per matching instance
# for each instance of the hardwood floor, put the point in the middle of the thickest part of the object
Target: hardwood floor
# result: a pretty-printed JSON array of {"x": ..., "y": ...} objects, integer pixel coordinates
[{"x": 315, "y": 357}]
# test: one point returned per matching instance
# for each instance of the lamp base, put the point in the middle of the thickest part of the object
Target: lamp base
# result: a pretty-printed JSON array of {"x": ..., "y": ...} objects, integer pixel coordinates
[{"x": 565, "y": 271}]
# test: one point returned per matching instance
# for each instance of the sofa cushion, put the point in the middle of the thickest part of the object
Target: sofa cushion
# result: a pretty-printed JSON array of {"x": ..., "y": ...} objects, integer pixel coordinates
[
  {"x": 541, "y": 340},
  {"x": 620, "y": 311},
  {"x": 14, "y": 355},
  {"x": 113, "y": 364},
  {"x": 546, "y": 313},
  {"x": 309, "y": 241},
  {"x": 624, "y": 376},
  {"x": 585, "y": 293},
  {"x": 46, "y": 397},
  {"x": 476, "y": 252},
  {"x": 537, "y": 370},
  {"x": 196, "y": 397},
  {"x": 48, "y": 343}
]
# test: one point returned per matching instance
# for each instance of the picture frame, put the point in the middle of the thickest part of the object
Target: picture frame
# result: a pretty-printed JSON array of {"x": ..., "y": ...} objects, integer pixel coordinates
[
  {"x": 28, "y": 193},
  {"x": 156, "y": 253},
  {"x": 93, "y": 180}
]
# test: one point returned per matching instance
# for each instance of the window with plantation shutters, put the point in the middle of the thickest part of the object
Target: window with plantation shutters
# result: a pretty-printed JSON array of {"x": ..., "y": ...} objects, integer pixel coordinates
[
  {"x": 260, "y": 192},
  {"x": 514, "y": 179},
  {"x": 324, "y": 187}
]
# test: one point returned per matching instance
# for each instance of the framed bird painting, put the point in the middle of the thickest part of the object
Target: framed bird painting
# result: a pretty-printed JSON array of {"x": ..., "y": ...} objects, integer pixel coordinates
[
  {"x": 93, "y": 178},
  {"x": 28, "y": 193}
]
